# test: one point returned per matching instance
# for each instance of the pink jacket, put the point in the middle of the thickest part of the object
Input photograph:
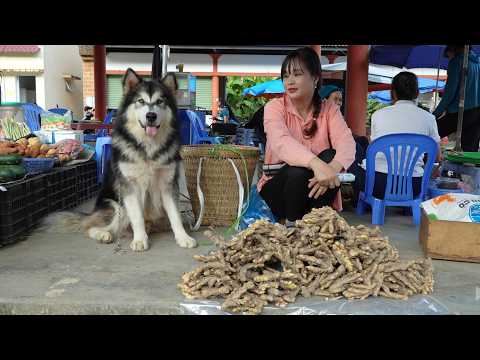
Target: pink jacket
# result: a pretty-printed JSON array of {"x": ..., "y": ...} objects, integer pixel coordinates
[{"x": 286, "y": 143}]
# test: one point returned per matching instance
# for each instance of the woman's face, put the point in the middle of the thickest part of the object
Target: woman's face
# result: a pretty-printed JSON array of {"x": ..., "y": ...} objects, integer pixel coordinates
[
  {"x": 298, "y": 82},
  {"x": 336, "y": 97}
]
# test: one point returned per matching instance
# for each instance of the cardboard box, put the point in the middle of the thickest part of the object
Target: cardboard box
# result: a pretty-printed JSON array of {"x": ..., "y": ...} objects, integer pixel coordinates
[{"x": 450, "y": 240}]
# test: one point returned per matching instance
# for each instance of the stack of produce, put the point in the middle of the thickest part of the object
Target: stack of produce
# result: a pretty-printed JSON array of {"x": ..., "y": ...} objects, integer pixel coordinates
[
  {"x": 11, "y": 168},
  {"x": 64, "y": 150},
  {"x": 321, "y": 256},
  {"x": 14, "y": 130},
  {"x": 33, "y": 148}
]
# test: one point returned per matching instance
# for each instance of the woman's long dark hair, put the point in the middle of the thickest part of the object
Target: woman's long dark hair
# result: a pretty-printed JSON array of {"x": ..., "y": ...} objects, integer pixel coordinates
[{"x": 307, "y": 59}]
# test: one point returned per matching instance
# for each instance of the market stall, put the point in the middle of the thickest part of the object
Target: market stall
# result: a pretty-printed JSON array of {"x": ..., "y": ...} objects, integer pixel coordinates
[{"x": 41, "y": 171}]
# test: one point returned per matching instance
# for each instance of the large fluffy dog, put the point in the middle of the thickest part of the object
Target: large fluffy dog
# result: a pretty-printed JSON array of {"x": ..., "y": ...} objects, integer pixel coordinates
[{"x": 141, "y": 183}]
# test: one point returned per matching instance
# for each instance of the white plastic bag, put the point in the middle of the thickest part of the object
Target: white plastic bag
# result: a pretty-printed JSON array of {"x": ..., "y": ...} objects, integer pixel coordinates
[{"x": 454, "y": 207}]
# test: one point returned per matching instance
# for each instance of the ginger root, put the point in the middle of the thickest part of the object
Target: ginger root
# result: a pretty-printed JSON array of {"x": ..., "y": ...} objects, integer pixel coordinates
[{"x": 321, "y": 256}]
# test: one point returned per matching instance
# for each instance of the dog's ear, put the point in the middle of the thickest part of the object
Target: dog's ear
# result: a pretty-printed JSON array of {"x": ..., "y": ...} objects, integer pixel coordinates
[
  {"x": 170, "y": 81},
  {"x": 130, "y": 80}
]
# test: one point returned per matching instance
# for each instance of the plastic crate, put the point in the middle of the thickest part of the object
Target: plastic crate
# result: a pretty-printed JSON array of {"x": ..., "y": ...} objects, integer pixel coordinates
[
  {"x": 38, "y": 166},
  {"x": 86, "y": 181},
  {"x": 21, "y": 206},
  {"x": 87, "y": 194},
  {"x": 63, "y": 198},
  {"x": 20, "y": 194},
  {"x": 61, "y": 188},
  {"x": 13, "y": 232}
]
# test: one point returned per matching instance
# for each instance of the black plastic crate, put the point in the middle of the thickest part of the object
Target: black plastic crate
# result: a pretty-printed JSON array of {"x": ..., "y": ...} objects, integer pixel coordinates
[
  {"x": 19, "y": 195},
  {"x": 87, "y": 194},
  {"x": 86, "y": 187},
  {"x": 37, "y": 211},
  {"x": 11, "y": 233},
  {"x": 61, "y": 197},
  {"x": 86, "y": 169},
  {"x": 14, "y": 197}
]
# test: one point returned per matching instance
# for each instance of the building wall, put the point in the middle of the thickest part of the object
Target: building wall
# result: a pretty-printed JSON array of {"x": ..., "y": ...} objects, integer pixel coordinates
[
  {"x": 40, "y": 87},
  {"x": 23, "y": 63},
  {"x": 13, "y": 66},
  {"x": 9, "y": 88},
  {"x": 142, "y": 62},
  {"x": 60, "y": 59},
  {"x": 263, "y": 64},
  {"x": 88, "y": 81}
]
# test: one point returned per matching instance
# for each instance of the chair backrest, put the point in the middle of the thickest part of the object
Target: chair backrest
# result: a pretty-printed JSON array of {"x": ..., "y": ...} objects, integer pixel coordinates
[
  {"x": 106, "y": 121},
  {"x": 197, "y": 126},
  {"x": 402, "y": 152}
]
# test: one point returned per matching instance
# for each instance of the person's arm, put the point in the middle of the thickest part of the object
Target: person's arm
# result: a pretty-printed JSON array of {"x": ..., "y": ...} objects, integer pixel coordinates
[
  {"x": 342, "y": 140},
  {"x": 453, "y": 80},
  {"x": 373, "y": 127},
  {"x": 435, "y": 136},
  {"x": 345, "y": 148},
  {"x": 281, "y": 141}
]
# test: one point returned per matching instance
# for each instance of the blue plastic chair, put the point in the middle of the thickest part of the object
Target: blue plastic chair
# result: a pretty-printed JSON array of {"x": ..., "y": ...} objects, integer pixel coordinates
[
  {"x": 192, "y": 129},
  {"x": 32, "y": 113},
  {"x": 102, "y": 154},
  {"x": 399, "y": 191},
  {"x": 101, "y": 132}
]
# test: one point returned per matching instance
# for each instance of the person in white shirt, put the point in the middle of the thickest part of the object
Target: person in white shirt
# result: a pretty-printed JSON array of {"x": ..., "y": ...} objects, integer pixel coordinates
[{"x": 404, "y": 116}]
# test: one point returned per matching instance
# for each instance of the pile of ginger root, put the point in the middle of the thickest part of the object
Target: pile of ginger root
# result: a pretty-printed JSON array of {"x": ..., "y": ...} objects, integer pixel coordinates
[{"x": 321, "y": 256}]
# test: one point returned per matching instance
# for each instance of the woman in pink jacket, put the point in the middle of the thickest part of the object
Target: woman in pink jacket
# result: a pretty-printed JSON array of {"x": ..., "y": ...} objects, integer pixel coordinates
[{"x": 308, "y": 143}]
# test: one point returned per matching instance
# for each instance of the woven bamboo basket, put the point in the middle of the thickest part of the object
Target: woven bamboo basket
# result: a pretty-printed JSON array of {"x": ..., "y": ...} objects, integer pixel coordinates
[{"x": 218, "y": 180}]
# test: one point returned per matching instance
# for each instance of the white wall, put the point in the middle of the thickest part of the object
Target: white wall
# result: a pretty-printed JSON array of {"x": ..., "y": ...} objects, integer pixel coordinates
[
  {"x": 60, "y": 59},
  {"x": 250, "y": 63},
  {"x": 143, "y": 62},
  {"x": 198, "y": 62},
  {"x": 19, "y": 65},
  {"x": 23, "y": 63},
  {"x": 40, "y": 87},
  {"x": 9, "y": 88}
]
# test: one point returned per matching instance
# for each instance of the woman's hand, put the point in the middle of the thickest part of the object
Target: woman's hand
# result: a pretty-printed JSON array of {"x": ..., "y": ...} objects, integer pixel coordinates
[
  {"x": 325, "y": 174},
  {"x": 317, "y": 189}
]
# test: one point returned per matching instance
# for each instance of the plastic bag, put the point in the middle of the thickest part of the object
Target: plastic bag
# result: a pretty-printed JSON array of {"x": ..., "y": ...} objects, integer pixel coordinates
[
  {"x": 415, "y": 305},
  {"x": 454, "y": 207},
  {"x": 257, "y": 209}
]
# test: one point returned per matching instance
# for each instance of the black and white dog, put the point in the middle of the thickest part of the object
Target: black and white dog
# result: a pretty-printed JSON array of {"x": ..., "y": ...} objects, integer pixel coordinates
[{"x": 141, "y": 183}]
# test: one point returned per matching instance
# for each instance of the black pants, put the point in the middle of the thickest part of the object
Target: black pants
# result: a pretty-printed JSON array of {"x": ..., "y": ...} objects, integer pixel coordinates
[
  {"x": 381, "y": 184},
  {"x": 470, "y": 128},
  {"x": 287, "y": 192}
]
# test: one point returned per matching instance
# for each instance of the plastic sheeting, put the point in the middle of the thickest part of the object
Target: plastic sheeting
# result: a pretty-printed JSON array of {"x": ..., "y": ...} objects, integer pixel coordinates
[{"x": 415, "y": 305}]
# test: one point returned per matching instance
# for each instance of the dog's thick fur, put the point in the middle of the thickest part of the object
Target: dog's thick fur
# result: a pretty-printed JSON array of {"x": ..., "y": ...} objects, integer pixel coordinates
[{"x": 141, "y": 183}]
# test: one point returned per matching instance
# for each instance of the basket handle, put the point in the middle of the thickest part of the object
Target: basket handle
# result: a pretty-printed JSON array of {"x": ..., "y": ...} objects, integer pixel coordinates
[{"x": 201, "y": 197}]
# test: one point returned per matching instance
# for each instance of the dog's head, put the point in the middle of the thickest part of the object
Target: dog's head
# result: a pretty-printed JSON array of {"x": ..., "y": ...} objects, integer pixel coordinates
[{"x": 149, "y": 105}]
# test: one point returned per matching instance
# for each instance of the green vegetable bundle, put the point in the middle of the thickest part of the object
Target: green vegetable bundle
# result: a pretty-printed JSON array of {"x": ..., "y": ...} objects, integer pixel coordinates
[{"x": 14, "y": 130}]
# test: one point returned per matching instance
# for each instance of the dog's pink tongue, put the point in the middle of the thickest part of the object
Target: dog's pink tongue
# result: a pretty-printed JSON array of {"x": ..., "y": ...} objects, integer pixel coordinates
[{"x": 151, "y": 130}]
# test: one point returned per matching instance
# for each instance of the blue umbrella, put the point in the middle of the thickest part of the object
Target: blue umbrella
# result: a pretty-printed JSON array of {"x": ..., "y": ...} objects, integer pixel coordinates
[
  {"x": 269, "y": 87},
  {"x": 424, "y": 86},
  {"x": 411, "y": 56}
]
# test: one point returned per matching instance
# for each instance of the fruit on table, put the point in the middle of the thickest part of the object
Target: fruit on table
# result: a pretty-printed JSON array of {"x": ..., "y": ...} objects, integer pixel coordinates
[
  {"x": 34, "y": 141},
  {"x": 12, "y": 159},
  {"x": 11, "y": 172}
]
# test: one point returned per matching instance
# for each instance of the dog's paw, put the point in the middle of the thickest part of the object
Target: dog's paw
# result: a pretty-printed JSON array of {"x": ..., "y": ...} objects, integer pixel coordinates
[
  {"x": 139, "y": 245},
  {"x": 186, "y": 241},
  {"x": 103, "y": 236}
]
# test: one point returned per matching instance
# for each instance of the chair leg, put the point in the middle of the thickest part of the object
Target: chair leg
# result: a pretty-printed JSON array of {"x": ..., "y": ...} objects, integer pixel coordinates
[
  {"x": 416, "y": 213},
  {"x": 378, "y": 212},
  {"x": 361, "y": 206}
]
